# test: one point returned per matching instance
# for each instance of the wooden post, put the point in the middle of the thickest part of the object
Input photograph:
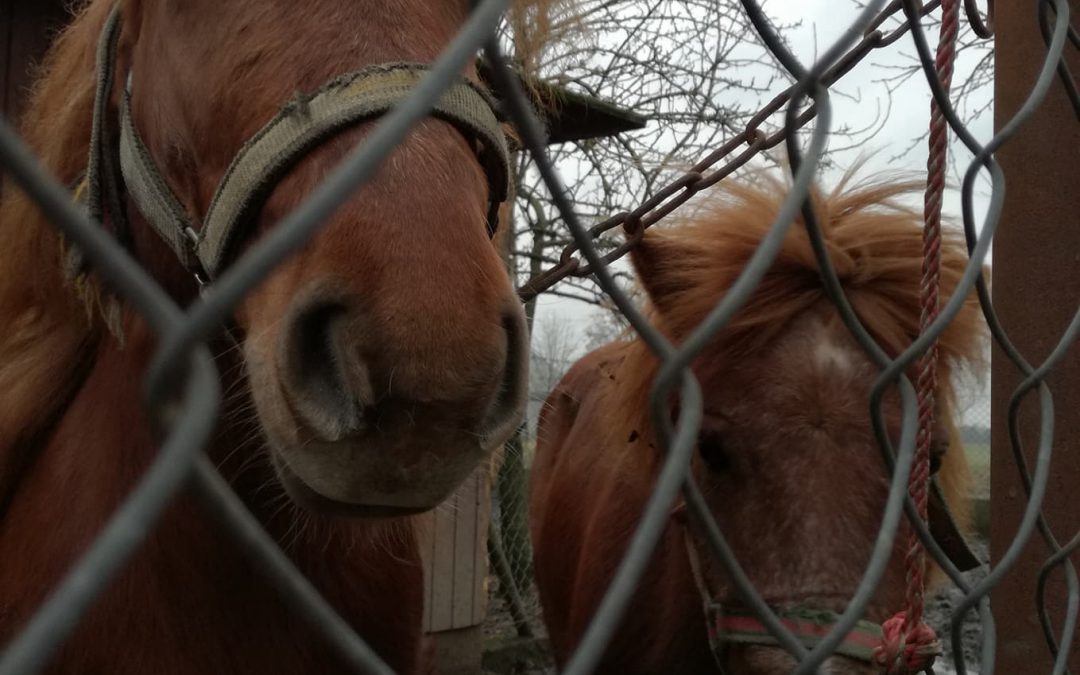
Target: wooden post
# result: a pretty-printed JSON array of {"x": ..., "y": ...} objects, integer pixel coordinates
[
  {"x": 1036, "y": 288},
  {"x": 453, "y": 541}
]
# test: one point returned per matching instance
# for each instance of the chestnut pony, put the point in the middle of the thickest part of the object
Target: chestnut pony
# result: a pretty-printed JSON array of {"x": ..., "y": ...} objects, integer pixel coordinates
[
  {"x": 366, "y": 376},
  {"x": 785, "y": 457}
]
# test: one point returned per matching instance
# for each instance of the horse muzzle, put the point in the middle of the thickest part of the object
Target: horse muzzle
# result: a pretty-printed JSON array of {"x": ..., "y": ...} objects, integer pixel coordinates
[{"x": 361, "y": 418}]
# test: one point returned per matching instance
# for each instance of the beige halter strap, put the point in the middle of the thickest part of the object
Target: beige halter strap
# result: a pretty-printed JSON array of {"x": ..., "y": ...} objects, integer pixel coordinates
[{"x": 302, "y": 124}]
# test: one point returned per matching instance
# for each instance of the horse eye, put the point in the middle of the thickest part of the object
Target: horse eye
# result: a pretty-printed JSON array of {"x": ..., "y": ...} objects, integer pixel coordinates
[{"x": 712, "y": 450}]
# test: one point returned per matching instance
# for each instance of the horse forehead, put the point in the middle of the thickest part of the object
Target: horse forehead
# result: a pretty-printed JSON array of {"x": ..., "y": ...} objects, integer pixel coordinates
[
  {"x": 832, "y": 352},
  {"x": 812, "y": 344},
  {"x": 815, "y": 362}
]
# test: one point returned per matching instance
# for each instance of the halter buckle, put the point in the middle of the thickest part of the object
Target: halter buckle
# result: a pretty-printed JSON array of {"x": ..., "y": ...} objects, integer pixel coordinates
[{"x": 194, "y": 266}]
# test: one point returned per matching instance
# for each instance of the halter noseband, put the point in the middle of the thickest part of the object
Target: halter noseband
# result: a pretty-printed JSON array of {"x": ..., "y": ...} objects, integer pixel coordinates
[
  {"x": 809, "y": 626},
  {"x": 727, "y": 625},
  {"x": 263, "y": 161}
]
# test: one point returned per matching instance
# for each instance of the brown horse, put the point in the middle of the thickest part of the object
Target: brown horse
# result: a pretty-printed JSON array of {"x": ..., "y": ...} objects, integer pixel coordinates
[
  {"x": 370, "y": 372},
  {"x": 785, "y": 456}
]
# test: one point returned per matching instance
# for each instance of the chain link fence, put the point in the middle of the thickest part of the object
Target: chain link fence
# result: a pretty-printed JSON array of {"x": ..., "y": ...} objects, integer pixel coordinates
[{"x": 183, "y": 350}]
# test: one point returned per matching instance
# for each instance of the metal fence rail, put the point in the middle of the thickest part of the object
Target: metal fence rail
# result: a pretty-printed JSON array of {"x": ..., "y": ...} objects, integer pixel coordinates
[{"x": 183, "y": 354}]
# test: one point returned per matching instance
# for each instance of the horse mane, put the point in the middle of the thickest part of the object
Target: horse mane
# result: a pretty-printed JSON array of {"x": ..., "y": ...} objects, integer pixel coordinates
[
  {"x": 875, "y": 244},
  {"x": 537, "y": 25},
  {"x": 48, "y": 331}
]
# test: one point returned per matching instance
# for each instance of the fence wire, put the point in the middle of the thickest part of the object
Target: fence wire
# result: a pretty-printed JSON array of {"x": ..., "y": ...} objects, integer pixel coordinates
[{"x": 189, "y": 415}]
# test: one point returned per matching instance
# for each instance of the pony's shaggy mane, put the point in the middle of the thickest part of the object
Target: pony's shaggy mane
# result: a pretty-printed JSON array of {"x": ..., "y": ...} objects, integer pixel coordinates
[{"x": 875, "y": 244}]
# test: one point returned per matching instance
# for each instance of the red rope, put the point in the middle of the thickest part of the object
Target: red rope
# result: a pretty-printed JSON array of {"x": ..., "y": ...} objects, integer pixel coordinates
[
  {"x": 904, "y": 650},
  {"x": 909, "y": 645}
]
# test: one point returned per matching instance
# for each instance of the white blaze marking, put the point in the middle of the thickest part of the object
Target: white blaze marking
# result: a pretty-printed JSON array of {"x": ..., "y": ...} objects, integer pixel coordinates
[{"x": 829, "y": 355}]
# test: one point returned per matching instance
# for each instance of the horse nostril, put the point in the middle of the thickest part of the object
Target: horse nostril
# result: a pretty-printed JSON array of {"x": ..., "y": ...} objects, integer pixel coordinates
[
  {"x": 316, "y": 360},
  {"x": 317, "y": 373},
  {"x": 508, "y": 407}
]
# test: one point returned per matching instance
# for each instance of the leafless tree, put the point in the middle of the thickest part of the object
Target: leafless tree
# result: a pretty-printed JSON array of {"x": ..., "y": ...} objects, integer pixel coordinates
[
  {"x": 973, "y": 79},
  {"x": 608, "y": 325},
  {"x": 692, "y": 68},
  {"x": 698, "y": 72},
  {"x": 555, "y": 345}
]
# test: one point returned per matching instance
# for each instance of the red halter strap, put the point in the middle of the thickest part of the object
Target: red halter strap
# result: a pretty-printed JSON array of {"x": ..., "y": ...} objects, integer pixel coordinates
[
  {"x": 809, "y": 625},
  {"x": 727, "y": 625}
]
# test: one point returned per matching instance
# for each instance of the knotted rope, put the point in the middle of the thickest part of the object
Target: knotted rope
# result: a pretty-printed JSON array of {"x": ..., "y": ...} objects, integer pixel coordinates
[{"x": 908, "y": 644}]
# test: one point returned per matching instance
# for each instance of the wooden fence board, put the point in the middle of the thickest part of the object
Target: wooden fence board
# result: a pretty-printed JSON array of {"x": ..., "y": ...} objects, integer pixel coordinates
[
  {"x": 453, "y": 539},
  {"x": 464, "y": 549}
]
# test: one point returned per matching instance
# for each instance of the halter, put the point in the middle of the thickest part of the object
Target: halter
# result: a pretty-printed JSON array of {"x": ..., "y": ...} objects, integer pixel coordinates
[
  {"x": 263, "y": 161},
  {"x": 727, "y": 624},
  {"x": 809, "y": 626}
]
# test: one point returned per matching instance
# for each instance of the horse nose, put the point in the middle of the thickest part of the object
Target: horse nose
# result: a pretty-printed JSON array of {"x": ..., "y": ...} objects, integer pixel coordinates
[
  {"x": 332, "y": 389},
  {"x": 326, "y": 384}
]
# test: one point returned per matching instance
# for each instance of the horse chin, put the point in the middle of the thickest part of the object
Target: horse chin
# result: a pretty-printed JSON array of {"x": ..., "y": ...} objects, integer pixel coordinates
[
  {"x": 367, "y": 479},
  {"x": 306, "y": 497}
]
